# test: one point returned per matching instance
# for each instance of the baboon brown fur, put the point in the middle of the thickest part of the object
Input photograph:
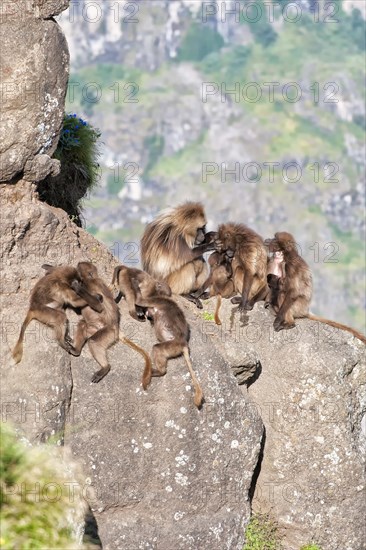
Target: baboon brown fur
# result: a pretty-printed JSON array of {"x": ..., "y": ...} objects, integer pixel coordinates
[
  {"x": 135, "y": 284},
  {"x": 49, "y": 297},
  {"x": 172, "y": 333},
  {"x": 275, "y": 280},
  {"x": 219, "y": 282},
  {"x": 100, "y": 329},
  {"x": 296, "y": 294},
  {"x": 172, "y": 249},
  {"x": 249, "y": 263}
]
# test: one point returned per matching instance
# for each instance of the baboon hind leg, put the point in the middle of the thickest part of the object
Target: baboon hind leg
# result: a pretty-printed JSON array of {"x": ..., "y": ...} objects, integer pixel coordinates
[
  {"x": 259, "y": 293},
  {"x": 284, "y": 318},
  {"x": 54, "y": 318},
  {"x": 82, "y": 333},
  {"x": 243, "y": 300},
  {"x": 98, "y": 345},
  {"x": 162, "y": 352}
]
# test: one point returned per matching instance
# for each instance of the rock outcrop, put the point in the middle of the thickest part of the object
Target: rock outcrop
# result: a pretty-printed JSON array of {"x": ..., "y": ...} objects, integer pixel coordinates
[
  {"x": 158, "y": 472},
  {"x": 310, "y": 394},
  {"x": 163, "y": 474},
  {"x": 34, "y": 61}
]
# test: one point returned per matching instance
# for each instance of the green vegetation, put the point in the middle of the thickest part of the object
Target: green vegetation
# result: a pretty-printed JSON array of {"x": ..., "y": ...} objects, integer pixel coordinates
[
  {"x": 199, "y": 41},
  {"x": 311, "y": 546},
  {"x": 78, "y": 152},
  {"x": 262, "y": 534},
  {"x": 207, "y": 316},
  {"x": 260, "y": 27},
  {"x": 155, "y": 147},
  {"x": 36, "y": 510},
  {"x": 115, "y": 183}
]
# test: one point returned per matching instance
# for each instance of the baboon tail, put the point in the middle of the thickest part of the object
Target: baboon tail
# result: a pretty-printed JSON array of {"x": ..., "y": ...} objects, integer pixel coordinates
[
  {"x": 337, "y": 325},
  {"x": 217, "y": 310},
  {"x": 18, "y": 350},
  {"x": 198, "y": 394},
  {"x": 116, "y": 273},
  {"x": 146, "y": 377}
]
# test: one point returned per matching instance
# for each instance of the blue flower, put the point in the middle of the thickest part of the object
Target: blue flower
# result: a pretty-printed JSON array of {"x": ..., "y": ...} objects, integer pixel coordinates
[{"x": 77, "y": 126}]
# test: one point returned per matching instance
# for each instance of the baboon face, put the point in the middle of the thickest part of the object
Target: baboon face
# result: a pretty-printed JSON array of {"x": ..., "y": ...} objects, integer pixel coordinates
[
  {"x": 200, "y": 235},
  {"x": 228, "y": 240}
]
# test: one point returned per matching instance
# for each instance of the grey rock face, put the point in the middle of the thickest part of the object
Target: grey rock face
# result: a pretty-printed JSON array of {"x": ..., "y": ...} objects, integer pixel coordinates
[
  {"x": 311, "y": 396},
  {"x": 158, "y": 472},
  {"x": 34, "y": 59}
]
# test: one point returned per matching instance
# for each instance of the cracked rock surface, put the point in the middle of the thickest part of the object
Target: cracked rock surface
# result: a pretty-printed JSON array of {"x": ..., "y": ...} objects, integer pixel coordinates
[
  {"x": 34, "y": 61},
  {"x": 158, "y": 472}
]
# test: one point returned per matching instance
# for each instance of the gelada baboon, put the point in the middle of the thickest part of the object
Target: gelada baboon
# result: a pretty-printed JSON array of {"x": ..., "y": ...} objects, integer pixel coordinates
[
  {"x": 172, "y": 332},
  {"x": 219, "y": 282},
  {"x": 172, "y": 247},
  {"x": 51, "y": 294},
  {"x": 249, "y": 263},
  {"x": 100, "y": 329},
  {"x": 135, "y": 284},
  {"x": 296, "y": 292},
  {"x": 275, "y": 280}
]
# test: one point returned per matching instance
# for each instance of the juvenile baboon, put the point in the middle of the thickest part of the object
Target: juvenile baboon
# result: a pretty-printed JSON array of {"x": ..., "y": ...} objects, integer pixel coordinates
[
  {"x": 249, "y": 264},
  {"x": 50, "y": 295},
  {"x": 172, "y": 249},
  {"x": 100, "y": 329},
  {"x": 275, "y": 280},
  {"x": 172, "y": 332},
  {"x": 297, "y": 286},
  {"x": 276, "y": 292},
  {"x": 135, "y": 284},
  {"x": 219, "y": 282}
]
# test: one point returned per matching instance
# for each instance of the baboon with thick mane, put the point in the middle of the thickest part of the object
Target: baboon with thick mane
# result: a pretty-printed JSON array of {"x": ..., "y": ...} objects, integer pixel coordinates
[
  {"x": 296, "y": 287},
  {"x": 49, "y": 297},
  {"x": 249, "y": 263},
  {"x": 172, "y": 248}
]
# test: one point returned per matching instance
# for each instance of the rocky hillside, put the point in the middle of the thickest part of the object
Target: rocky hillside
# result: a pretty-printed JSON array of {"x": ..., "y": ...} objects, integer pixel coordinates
[
  {"x": 283, "y": 423},
  {"x": 263, "y": 120},
  {"x": 158, "y": 473}
]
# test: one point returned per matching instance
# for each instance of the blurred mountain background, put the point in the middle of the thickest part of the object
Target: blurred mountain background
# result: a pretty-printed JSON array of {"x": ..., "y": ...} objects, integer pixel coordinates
[{"x": 257, "y": 109}]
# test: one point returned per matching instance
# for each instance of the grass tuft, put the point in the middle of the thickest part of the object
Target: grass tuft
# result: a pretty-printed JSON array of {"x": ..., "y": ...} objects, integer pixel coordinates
[
  {"x": 262, "y": 533},
  {"x": 78, "y": 152},
  {"x": 37, "y": 507}
]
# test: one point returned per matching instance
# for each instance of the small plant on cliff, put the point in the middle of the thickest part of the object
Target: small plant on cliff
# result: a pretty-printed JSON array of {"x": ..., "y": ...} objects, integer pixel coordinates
[
  {"x": 262, "y": 534},
  {"x": 311, "y": 546},
  {"x": 207, "y": 316},
  {"x": 39, "y": 506},
  {"x": 78, "y": 152}
]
